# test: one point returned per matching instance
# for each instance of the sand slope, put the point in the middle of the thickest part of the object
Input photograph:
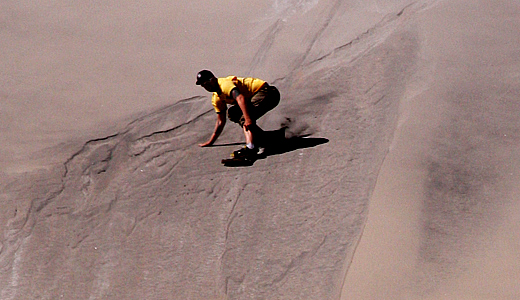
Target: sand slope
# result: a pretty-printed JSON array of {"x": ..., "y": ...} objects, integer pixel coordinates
[
  {"x": 398, "y": 180},
  {"x": 441, "y": 220}
]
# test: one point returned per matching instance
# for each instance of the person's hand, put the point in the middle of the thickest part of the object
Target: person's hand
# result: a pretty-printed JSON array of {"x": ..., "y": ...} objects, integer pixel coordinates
[
  {"x": 206, "y": 144},
  {"x": 248, "y": 124}
]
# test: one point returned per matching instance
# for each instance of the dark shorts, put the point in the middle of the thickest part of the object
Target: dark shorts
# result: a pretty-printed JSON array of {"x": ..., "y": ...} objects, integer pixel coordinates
[{"x": 262, "y": 101}]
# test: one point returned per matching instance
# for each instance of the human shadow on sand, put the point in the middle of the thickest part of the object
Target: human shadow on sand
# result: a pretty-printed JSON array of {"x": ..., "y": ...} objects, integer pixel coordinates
[{"x": 275, "y": 143}]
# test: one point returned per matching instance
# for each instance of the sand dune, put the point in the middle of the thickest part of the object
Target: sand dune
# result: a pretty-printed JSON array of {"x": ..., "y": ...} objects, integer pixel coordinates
[{"x": 397, "y": 179}]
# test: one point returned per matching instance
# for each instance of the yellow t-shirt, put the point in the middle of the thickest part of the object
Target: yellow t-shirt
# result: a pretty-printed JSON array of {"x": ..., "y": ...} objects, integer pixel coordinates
[{"x": 246, "y": 86}]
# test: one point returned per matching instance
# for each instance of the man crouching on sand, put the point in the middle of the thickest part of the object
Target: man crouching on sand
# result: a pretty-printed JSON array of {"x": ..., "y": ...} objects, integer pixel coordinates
[{"x": 250, "y": 98}]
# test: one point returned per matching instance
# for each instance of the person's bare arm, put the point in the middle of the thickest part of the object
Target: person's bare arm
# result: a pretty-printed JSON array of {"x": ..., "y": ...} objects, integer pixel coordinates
[
  {"x": 219, "y": 126},
  {"x": 241, "y": 100}
]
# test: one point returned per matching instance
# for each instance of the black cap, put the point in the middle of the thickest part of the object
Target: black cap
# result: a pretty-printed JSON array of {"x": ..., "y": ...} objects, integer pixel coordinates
[{"x": 204, "y": 76}]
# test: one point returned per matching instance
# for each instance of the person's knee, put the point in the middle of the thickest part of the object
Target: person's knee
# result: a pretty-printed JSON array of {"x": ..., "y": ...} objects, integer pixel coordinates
[
  {"x": 234, "y": 118},
  {"x": 234, "y": 114},
  {"x": 274, "y": 94}
]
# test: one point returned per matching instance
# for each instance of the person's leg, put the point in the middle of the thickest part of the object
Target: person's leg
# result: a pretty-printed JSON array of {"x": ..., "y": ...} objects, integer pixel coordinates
[
  {"x": 249, "y": 136},
  {"x": 253, "y": 135},
  {"x": 235, "y": 115},
  {"x": 263, "y": 101}
]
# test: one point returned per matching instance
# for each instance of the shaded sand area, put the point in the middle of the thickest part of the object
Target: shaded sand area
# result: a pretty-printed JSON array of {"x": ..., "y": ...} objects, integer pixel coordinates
[
  {"x": 398, "y": 179},
  {"x": 444, "y": 216}
]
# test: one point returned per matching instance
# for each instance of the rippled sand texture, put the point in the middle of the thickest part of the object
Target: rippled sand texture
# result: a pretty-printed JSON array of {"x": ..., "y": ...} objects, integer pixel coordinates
[{"x": 398, "y": 178}]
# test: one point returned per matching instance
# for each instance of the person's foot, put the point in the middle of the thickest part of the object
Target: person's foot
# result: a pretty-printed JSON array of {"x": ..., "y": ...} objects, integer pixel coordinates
[
  {"x": 261, "y": 152},
  {"x": 245, "y": 153}
]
